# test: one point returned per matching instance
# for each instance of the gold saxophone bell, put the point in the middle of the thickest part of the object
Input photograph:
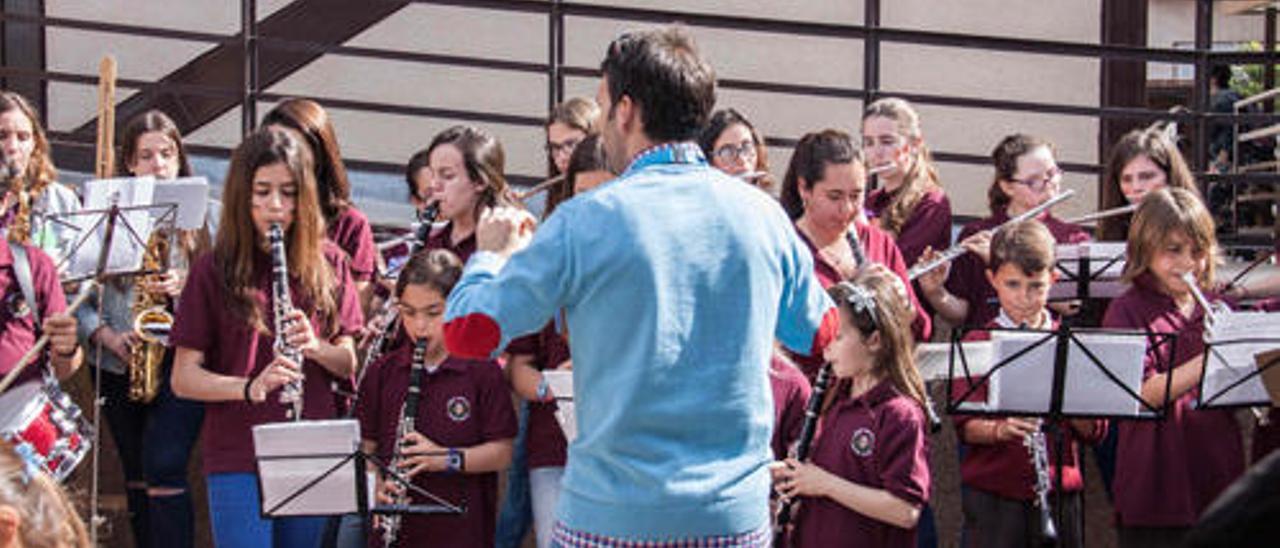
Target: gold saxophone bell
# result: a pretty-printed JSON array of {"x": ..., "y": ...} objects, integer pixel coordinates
[{"x": 151, "y": 324}]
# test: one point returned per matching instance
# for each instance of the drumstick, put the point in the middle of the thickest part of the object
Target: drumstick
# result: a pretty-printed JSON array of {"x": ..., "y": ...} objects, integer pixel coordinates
[{"x": 29, "y": 357}]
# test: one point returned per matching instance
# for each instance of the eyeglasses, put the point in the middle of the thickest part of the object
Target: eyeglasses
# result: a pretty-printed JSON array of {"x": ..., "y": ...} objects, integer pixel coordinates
[
  {"x": 730, "y": 152},
  {"x": 565, "y": 147},
  {"x": 1037, "y": 184}
]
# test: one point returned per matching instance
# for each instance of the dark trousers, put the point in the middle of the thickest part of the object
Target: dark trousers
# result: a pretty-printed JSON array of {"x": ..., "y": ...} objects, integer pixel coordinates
[
  {"x": 154, "y": 441},
  {"x": 992, "y": 521},
  {"x": 1151, "y": 537}
]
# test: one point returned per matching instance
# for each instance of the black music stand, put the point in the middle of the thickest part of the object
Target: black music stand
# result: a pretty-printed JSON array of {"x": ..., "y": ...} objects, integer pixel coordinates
[
  {"x": 1232, "y": 373},
  {"x": 1089, "y": 270},
  {"x": 1070, "y": 351},
  {"x": 294, "y": 440}
]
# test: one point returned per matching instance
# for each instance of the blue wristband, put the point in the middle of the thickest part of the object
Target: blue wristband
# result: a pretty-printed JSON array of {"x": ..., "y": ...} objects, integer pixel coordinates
[{"x": 454, "y": 461}]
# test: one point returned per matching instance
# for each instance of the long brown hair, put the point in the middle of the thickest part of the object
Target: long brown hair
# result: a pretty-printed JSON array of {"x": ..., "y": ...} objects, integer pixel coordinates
[
  {"x": 484, "y": 160},
  {"x": 40, "y": 172},
  {"x": 892, "y": 319},
  {"x": 192, "y": 242},
  {"x": 921, "y": 177},
  {"x": 1164, "y": 212},
  {"x": 48, "y": 516},
  {"x": 238, "y": 239},
  {"x": 1154, "y": 144},
  {"x": 310, "y": 119}
]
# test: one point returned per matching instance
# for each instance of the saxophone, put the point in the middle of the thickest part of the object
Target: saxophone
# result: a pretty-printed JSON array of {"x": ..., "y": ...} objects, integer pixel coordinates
[
  {"x": 152, "y": 323},
  {"x": 408, "y": 423},
  {"x": 282, "y": 305}
]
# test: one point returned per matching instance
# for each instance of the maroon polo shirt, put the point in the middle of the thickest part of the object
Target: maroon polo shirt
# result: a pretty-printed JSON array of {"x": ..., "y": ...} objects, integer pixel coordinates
[
  {"x": 879, "y": 248},
  {"x": 877, "y": 440},
  {"x": 464, "y": 403},
  {"x": 352, "y": 232},
  {"x": 232, "y": 347},
  {"x": 968, "y": 278},
  {"x": 1168, "y": 471},
  {"x": 442, "y": 238},
  {"x": 1005, "y": 468},
  {"x": 791, "y": 392},
  {"x": 929, "y": 225},
  {"x": 17, "y": 321},
  {"x": 545, "y": 444}
]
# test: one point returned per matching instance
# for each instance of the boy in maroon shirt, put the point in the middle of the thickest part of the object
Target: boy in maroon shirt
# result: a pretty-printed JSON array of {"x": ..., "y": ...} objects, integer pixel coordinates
[
  {"x": 999, "y": 504},
  {"x": 1168, "y": 471},
  {"x": 464, "y": 424}
]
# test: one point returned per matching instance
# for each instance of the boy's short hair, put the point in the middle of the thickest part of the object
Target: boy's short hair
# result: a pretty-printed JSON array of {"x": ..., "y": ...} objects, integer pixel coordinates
[
  {"x": 1027, "y": 244},
  {"x": 437, "y": 268}
]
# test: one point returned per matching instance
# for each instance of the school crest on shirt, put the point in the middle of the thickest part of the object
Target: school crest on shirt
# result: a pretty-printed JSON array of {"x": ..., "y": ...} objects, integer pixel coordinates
[
  {"x": 16, "y": 305},
  {"x": 863, "y": 442},
  {"x": 459, "y": 408}
]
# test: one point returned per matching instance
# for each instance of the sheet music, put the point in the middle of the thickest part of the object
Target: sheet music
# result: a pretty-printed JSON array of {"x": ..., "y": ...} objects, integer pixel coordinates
[
  {"x": 1106, "y": 282},
  {"x": 1229, "y": 359},
  {"x": 126, "y": 250},
  {"x": 1025, "y": 384},
  {"x": 190, "y": 194},
  {"x": 561, "y": 384},
  {"x": 292, "y": 454},
  {"x": 933, "y": 360}
]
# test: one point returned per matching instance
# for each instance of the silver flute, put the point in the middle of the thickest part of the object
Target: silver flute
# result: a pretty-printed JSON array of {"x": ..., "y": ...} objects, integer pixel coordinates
[
  {"x": 955, "y": 251},
  {"x": 408, "y": 424},
  {"x": 1036, "y": 446},
  {"x": 282, "y": 306},
  {"x": 1104, "y": 214}
]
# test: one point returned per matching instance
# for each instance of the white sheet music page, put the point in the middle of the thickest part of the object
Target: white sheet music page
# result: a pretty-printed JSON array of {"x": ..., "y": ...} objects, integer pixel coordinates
[
  {"x": 1088, "y": 390},
  {"x": 292, "y": 454},
  {"x": 1235, "y": 339},
  {"x": 561, "y": 384},
  {"x": 190, "y": 194},
  {"x": 126, "y": 249},
  {"x": 1106, "y": 282}
]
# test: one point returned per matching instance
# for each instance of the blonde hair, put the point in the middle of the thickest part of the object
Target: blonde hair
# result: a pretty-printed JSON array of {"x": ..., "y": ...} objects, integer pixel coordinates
[
  {"x": 893, "y": 316},
  {"x": 921, "y": 177},
  {"x": 49, "y": 519},
  {"x": 1164, "y": 212}
]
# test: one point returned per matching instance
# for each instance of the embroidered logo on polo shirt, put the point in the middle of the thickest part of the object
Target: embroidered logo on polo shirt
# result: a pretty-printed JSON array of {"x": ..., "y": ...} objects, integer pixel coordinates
[
  {"x": 16, "y": 304},
  {"x": 863, "y": 442},
  {"x": 459, "y": 408}
]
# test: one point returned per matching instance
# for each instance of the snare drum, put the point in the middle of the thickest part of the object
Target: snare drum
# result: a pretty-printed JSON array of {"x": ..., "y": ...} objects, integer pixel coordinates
[{"x": 44, "y": 417}]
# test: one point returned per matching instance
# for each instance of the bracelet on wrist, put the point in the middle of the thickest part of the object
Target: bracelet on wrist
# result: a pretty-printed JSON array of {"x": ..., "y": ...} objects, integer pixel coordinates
[
  {"x": 454, "y": 461},
  {"x": 247, "y": 384}
]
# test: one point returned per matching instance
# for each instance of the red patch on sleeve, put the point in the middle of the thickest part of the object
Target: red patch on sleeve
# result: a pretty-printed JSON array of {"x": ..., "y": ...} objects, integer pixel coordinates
[
  {"x": 827, "y": 331},
  {"x": 474, "y": 336}
]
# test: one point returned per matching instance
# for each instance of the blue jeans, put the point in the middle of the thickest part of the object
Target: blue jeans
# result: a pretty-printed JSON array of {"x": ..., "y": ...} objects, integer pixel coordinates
[
  {"x": 516, "y": 514},
  {"x": 544, "y": 486},
  {"x": 235, "y": 514}
]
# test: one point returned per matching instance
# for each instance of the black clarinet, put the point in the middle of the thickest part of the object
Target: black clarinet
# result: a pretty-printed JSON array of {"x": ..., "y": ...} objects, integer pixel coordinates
[
  {"x": 377, "y": 347},
  {"x": 291, "y": 394},
  {"x": 811, "y": 411},
  {"x": 1039, "y": 453},
  {"x": 408, "y": 423}
]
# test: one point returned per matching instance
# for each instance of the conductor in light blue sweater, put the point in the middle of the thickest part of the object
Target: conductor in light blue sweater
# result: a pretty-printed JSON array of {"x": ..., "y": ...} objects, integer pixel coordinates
[{"x": 676, "y": 281}]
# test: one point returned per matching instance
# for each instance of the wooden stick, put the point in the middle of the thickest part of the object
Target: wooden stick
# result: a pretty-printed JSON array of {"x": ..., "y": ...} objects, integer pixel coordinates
[
  {"x": 105, "y": 165},
  {"x": 29, "y": 357}
]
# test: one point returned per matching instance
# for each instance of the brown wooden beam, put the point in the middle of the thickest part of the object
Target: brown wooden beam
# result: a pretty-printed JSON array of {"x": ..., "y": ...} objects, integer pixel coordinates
[
  {"x": 315, "y": 21},
  {"x": 1124, "y": 81}
]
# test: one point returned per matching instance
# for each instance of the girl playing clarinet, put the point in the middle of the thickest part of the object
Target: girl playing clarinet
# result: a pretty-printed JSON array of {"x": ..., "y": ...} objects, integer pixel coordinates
[
  {"x": 1168, "y": 471},
  {"x": 464, "y": 421},
  {"x": 868, "y": 473},
  {"x": 224, "y": 347}
]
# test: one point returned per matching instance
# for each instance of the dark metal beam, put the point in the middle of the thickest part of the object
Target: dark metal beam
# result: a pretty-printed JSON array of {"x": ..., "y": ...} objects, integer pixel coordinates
[
  {"x": 1123, "y": 81},
  {"x": 22, "y": 47}
]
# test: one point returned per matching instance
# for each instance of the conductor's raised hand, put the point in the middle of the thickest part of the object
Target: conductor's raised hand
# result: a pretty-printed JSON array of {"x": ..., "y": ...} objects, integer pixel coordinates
[{"x": 504, "y": 230}]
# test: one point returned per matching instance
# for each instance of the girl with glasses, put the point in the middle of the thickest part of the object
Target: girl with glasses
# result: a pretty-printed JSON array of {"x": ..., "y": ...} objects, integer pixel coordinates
[
  {"x": 734, "y": 146},
  {"x": 1026, "y": 175}
]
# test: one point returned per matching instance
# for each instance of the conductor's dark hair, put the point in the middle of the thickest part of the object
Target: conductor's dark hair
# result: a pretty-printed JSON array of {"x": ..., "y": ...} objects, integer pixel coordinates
[{"x": 662, "y": 73}]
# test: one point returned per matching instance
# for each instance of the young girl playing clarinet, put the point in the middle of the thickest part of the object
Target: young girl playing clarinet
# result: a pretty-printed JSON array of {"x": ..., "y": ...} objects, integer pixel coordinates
[
  {"x": 224, "y": 339},
  {"x": 464, "y": 422},
  {"x": 1168, "y": 471},
  {"x": 999, "y": 502},
  {"x": 467, "y": 168},
  {"x": 868, "y": 471}
]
